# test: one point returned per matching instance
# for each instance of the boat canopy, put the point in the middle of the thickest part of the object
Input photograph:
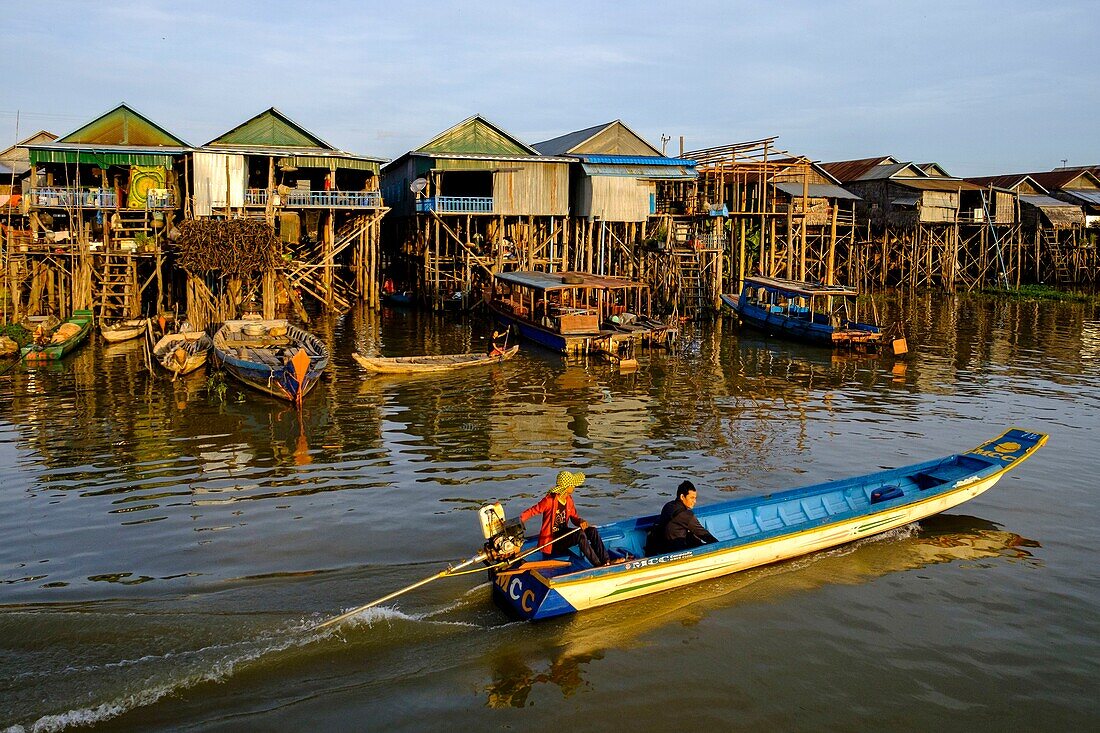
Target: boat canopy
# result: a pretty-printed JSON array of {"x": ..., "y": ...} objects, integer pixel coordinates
[
  {"x": 797, "y": 288},
  {"x": 547, "y": 281}
]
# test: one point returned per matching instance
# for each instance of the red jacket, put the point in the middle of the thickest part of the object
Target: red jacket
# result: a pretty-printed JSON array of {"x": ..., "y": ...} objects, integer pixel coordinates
[{"x": 546, "y": 506}]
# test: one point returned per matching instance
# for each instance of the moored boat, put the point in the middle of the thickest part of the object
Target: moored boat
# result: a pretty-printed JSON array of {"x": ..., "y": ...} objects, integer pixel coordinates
[
  {"x": 61, "y": 341},
  {"x": 759, "y": 530},
  {"x": 574, "y": 312},
  {"x": 182, "y": 353},
  {"x": 429, "y": 364},
  {"x": 273, "y": 356},
  {"x": 812, "y": 313},
  {"x": 123, "y": 330}
]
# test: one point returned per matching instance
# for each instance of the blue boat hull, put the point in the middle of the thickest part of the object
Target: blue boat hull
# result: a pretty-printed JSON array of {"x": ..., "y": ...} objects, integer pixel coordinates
[
  {"x": 759, "y": 530},
  {"x": 803, "y": 330}
]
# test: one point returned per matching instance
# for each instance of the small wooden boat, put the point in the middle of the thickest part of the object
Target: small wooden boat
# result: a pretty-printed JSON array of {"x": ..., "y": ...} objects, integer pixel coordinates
[
  {"x": 182, "y": 353},
  {"x": 758, "y": 530},
  {"x": 64, "y": 339},
  {"x": 401, "y": 298},
  {"x": 572, "y": 312},
  {"x": 821, "y": 315},
  {"x": 123, "y": 330},
  {"x": 272, "y": 356},
  {"x": 45, "y": 325},
  {"x": 425, "y": 364}
]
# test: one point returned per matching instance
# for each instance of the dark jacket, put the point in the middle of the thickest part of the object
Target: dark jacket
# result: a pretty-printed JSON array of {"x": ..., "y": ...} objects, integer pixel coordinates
[{"x": 678, "y": 527}]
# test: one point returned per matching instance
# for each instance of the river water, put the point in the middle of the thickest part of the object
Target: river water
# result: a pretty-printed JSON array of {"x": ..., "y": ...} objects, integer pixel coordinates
[{"x": 164, "y": 556}]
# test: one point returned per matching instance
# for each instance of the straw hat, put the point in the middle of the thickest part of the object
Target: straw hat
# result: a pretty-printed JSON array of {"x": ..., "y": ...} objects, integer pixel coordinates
[{"x": 566, "y": 481}]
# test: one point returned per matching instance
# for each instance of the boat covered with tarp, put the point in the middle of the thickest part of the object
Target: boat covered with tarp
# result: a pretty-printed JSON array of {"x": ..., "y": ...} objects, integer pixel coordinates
[{"x": 48, "y": 346}]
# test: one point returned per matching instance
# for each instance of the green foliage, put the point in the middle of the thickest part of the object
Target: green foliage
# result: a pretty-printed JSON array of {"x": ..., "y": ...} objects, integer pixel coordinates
[
  {"x": 17, "y": 333},
  {"x": 215, "y": 385},
  {"x": 1040, "y": 292}
]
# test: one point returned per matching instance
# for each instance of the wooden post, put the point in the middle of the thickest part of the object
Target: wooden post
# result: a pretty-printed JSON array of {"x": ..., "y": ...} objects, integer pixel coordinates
[
  {"x": 741, "y": 257},
  {"x": 829, "y": 275}
]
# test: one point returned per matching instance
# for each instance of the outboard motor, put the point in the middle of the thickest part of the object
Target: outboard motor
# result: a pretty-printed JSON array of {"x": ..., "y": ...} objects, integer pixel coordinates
[{"x": 504, "y": 539}]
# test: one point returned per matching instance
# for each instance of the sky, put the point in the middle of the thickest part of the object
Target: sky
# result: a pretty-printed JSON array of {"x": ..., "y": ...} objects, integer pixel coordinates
[{"x": 980, "y": 87}]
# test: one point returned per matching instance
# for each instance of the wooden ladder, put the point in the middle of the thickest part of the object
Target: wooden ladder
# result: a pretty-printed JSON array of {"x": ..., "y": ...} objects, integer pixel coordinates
[{"x": 118, "y": 287}]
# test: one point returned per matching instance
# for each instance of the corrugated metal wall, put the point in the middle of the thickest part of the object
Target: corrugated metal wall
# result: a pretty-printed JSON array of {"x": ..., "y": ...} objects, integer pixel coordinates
[
  {"x": 615, "y": 198},
  {"x": 536, "y": 189}
]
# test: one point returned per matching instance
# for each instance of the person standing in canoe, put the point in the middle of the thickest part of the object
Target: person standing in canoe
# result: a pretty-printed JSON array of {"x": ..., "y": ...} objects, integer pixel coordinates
[
  {"x": 679, "y": 528},
  {"x": 558, "y": 511}
]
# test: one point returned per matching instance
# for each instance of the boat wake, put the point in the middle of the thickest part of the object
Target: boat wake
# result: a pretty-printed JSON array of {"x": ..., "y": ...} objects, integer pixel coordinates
[{"x": 227, "y": 660}]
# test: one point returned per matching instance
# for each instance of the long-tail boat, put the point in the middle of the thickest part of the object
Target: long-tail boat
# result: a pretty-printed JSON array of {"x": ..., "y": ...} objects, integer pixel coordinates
[
  {"x": 273, "y": 356},
  {"x": 813, "y": 313},
  {"x": 753, "y": 531},
  {"x": 64, "y": 339}
]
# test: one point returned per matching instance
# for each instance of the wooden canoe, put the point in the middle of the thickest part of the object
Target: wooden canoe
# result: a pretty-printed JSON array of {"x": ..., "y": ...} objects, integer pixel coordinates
[
  {"x": 123, "y": 330},
  {"x": 272, "y": 356},
  {"x": 425, "y": 364},
  {"x": 182, "y": 353},
  {"x": 53, "y": 349}
]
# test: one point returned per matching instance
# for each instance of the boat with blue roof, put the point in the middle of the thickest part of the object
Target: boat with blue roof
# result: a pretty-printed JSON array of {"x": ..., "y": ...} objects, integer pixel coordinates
[
  {"x": 755, "y": 531},
  {"x": 811, "y": 313}
]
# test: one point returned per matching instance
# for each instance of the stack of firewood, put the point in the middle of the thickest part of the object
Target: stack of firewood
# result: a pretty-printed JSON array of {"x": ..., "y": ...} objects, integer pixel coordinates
[{"x": 235, "y": 247}]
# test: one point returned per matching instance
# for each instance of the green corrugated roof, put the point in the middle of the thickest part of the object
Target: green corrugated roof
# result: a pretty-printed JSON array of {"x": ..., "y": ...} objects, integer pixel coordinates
[
  {"x": 271, "y": 128},
  {"x": 102, "y": 158},
  {"x": 329, "y": 161},
  {"x": 476, "y": 136},
  {"x": 123, "y": 126}
]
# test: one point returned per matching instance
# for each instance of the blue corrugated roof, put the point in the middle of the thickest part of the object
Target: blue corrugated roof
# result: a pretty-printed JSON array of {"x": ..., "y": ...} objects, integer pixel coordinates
[{"x": 635, "y": 160}]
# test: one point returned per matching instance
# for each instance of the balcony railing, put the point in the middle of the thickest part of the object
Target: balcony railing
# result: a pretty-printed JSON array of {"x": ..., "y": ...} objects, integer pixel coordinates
[
  {"x": 303, "y": 199},
  {"x": 53, "y": 197},
  {"x": 456, "y": 204},
  {"x": 57, "y": 197}
]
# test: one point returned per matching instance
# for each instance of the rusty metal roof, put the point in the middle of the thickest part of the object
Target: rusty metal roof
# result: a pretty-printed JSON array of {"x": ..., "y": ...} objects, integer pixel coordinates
[
  {"x": 849, "y": 170},
  {"x": 1009, "y": 181},
  {"x": 1061, "y": 178},
  {"x": 936, "y": 184}
]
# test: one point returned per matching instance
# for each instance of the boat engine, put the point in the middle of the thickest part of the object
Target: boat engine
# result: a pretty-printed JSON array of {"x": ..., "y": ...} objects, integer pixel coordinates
[{"x": 504, "y": 540}]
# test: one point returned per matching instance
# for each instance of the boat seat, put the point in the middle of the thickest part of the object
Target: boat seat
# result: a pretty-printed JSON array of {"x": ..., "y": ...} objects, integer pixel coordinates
[
  {"x": 856, "y": 499},
  {"x": 814, "y": 508},
  {"x": 768, "y": 518},
  {"x": 834, "y": 504},
  {"x": 791, "y": 513},
  {"x": 718, "y": 526},
  {"x": 744, "y": 523},
  {"x": 928, "y": 481}
]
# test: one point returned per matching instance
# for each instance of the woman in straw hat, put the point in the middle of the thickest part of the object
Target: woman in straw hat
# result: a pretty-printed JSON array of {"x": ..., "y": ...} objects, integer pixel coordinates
[{"x": 558, "y": 511}]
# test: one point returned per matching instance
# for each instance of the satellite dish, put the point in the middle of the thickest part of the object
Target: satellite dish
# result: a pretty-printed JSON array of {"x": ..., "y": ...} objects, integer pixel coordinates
[{"x": 418, "y": 186}]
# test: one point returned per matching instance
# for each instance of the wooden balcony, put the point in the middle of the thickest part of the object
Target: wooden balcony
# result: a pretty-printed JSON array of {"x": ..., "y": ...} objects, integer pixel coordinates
[
  {"x": 455, "y": 205},
  {"x": 308, "y": 199}
]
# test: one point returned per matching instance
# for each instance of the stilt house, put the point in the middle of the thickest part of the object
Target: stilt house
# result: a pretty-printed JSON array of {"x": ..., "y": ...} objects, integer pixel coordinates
[
  {"x": 472, "y": 201},
  {"x": 324, "y": 203},
  {"x": 100, "y": 202}
]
